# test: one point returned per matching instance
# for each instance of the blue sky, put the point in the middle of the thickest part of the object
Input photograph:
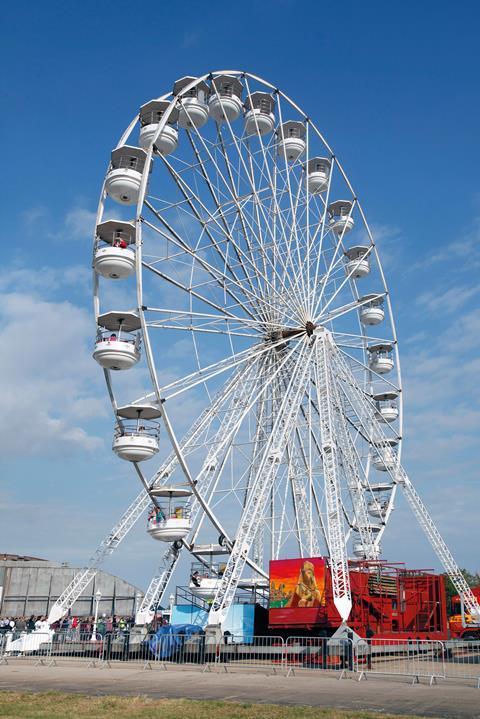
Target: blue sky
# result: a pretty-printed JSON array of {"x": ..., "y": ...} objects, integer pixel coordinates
[{"x": 393, "y": 86}]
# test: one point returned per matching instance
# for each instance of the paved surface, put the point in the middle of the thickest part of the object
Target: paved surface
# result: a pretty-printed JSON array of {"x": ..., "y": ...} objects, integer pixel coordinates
[{"x": 446, "y": 700}]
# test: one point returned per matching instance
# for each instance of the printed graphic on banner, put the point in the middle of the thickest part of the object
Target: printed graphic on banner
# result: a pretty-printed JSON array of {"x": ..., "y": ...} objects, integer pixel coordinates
[{"x": 297, "y": 584}]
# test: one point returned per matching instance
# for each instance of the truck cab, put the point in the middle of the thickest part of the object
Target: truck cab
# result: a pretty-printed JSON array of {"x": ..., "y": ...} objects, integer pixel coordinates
[{"x": 468, "y": 629}]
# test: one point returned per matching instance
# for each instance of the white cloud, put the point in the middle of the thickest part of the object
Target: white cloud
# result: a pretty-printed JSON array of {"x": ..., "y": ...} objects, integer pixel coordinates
[
  {"x": 50, "y": 381},
  {"x": 449, "y": 301}
]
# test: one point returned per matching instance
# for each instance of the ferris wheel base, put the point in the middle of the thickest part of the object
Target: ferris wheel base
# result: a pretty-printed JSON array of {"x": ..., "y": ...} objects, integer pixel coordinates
[{"x": 213, "y": 632}]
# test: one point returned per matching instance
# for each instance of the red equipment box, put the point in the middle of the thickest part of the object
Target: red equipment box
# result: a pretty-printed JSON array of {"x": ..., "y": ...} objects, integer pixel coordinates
[{"x": 388, "y": 600}]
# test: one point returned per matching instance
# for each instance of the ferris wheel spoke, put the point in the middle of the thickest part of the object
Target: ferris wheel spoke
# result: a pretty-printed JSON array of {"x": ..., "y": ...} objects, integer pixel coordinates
[
  {"x": 321, "y": 229},
  {"x": 230, "y": 190},
  {"x": 251, "y": 179},
  {"x": 294, "y": 230},
  {"x": 206, "y": 373},
  {"x": 236, "y": 203},
  {"x": 339, "y": 311},
  {"x": 256, "y": 294},
  {"x": 332, "y": 266},
  {"x": 223, "y": 227},
  {"x": 220, "y": 278}
]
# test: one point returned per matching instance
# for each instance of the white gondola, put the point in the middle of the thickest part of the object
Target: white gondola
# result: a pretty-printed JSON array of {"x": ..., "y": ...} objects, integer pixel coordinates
[
  {"x": 291, "y": 143},
  {"x": 371, "y": 310},
  {"x": 113, "y": 258},
  {"x": 205, "y": 575},
  {"x": 117, "y": 346},
  {"x": 380, "y": 357},
  {"x": 341, "y": 220},
  {"x": 318, "y": 172},
  {"x": 150, "y": 115},
  {"x": 137, "y": 439},
  {"x": 192, "y": 107},
  {"x": 385, "y": 457},
  {"x": 381, "y": 487},
  {"x": 377, "y": 509},
  {"x": 124, "y": 177},
  {"x": 358, "y": 550},
  {"x": 225, "y": 102},
  {"x": 259, "y": 117},
  {"x": 358, "y": 263},
  {"x": 170, "y": 521},
  {"x": 387, "y": 408}
]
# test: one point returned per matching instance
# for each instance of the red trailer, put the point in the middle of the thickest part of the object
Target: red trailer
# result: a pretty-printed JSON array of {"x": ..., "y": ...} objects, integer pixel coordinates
[{"x": 388, "y": 600}]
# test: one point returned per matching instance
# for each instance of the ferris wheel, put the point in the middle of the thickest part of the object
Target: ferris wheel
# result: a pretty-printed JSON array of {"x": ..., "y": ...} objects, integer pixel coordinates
[{"x": 250, "y": 345}]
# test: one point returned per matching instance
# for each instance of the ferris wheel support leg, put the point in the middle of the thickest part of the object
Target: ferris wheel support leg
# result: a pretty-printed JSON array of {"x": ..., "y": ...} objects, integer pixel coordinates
[
  {"x": 438, "y": 544},
  {"x": 82, "y": 579},
  {"x": 335, "y": 530},
  {"x": 108, "y": 545},
  {"x": 205, "y": 479},
  {"x": 283, "y": 427},
  {"x": 156, "y": 589},
  {"x": 354, "y": 483},
  {"x": 371, "y": 426}
]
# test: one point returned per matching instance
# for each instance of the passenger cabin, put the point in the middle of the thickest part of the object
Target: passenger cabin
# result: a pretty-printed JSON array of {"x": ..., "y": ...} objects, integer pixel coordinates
[
  {"x": 192, "y": 103},
  {"x": 341, "y": 220},
  {"x": 385, "y": 456},
  {"x": 259, "y": 113},
  {"x": 205, "y": 574},
  {"x": 114, "y": 257},
  {"x": 150, "y": 115},
  {"x": 290, "y": 140},
  {"x": 137, "y": 432},
  {"x": 318, "y": 173},
  {"x": 225, "y": 101},
  {"x": 371, "y": 310},
  {"x": 358, "y": 261},
  {"x": 124, "y": 176},
  {"x": 380, "y": 357},
  {"x": 117, "y": 345},
  {"x": 169, "y": 519},
  {"x": 387, "y": 408}
]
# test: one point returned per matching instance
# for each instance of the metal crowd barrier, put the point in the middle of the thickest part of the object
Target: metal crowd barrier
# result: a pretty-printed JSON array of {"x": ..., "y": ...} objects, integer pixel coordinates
[
  {"x": 462, "y": 660},
  {"x": 400, "y": 657},
  {"x": 415, "y": 659},
  {"x": 254, "y": 652},
  {"x": 34, "y": 646},
  {"x": 319, "y": 653}
]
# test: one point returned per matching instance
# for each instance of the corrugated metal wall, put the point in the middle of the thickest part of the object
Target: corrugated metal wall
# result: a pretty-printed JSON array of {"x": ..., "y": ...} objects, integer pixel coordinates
[{"x": 32, "y": 588}]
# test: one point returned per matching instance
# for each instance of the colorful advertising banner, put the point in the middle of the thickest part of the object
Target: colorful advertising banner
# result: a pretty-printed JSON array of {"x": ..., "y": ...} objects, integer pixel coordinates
[{"x": 297, "y": 590}]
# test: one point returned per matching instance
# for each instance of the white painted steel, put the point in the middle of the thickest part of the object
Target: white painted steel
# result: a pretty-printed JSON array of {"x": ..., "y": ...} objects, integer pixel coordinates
[
  {"x": 235, "y": 251},
  {"x": 116, "y": 354}
]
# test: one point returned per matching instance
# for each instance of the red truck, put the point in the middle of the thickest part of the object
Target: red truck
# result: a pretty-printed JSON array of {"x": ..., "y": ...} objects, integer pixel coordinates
[
  {"x": 388, "y": 600},
  {"x": 457, "y": 630}
]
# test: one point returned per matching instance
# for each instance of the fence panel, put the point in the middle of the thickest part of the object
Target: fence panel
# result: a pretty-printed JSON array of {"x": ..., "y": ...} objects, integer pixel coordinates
[
  {"x": 462, "y": 660},
  {"x": 400, "y": 657},
  {"x": 240, "y": 652},
  {"x": 318, "y": 653},
  {"x": 35, "y": 646},
  {"x": 178, "y": 651}
]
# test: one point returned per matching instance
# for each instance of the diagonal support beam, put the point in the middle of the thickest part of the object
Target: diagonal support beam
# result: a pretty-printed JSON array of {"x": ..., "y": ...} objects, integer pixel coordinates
[
  {"x": 283, "y": 427},
  {"x": 325, "y": 382}
]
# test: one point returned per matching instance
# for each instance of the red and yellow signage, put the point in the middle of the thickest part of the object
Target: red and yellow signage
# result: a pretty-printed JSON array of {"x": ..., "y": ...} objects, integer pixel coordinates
[{"x": 297, "y": 584}]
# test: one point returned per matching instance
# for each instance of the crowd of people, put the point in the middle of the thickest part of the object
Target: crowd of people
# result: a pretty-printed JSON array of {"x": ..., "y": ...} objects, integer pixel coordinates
[{"x": 73, "y": 627}]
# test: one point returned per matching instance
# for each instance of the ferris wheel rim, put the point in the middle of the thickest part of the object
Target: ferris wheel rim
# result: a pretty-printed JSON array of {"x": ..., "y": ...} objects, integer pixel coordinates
[{"x": 139, "y": 272}]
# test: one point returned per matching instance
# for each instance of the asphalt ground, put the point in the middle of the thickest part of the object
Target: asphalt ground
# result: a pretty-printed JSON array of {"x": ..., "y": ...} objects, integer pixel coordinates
[{"x": 378, "y": 694}]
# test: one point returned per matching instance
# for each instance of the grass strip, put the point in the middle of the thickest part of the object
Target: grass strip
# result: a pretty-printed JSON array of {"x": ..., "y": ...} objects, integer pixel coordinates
[{"x": 53, "y": 705}]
